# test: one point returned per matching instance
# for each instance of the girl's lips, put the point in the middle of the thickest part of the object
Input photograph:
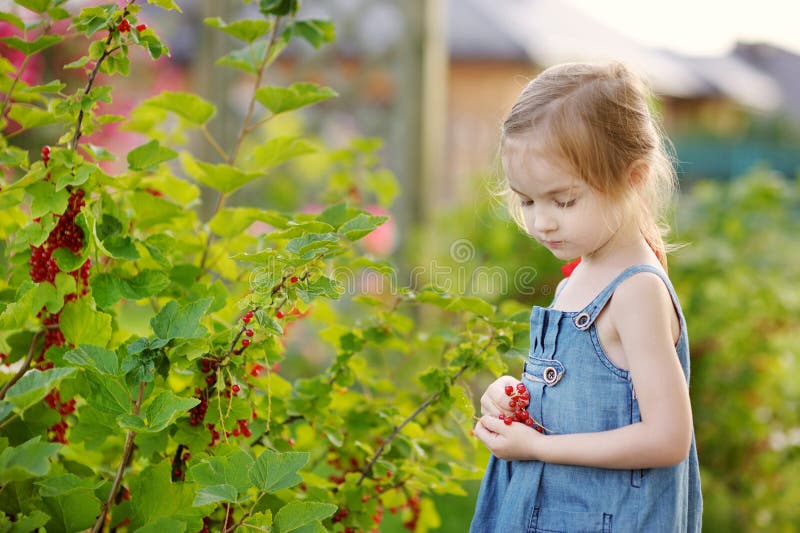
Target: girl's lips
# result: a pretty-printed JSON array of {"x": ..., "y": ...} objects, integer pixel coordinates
[{"x": 552, "y": 244}]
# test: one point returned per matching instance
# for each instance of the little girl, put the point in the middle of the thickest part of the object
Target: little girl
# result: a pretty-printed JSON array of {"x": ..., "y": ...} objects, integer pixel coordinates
[{"x": 587, "y": 176}]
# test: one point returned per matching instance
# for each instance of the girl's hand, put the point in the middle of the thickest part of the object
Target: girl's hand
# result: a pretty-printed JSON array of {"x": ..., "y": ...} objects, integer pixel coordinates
[
  {"x": 494, "y": 401},
  {"x": 514, "y": 442}
]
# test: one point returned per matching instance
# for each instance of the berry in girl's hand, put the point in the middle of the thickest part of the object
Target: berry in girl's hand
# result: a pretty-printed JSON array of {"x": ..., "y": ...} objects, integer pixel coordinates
[{"x": 519, "y": 400}]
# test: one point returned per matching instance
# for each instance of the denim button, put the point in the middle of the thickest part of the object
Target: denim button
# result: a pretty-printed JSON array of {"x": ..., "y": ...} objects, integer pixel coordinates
[
  {"x": 582, "y": 320},
  {"x": 550, "y": 375}
]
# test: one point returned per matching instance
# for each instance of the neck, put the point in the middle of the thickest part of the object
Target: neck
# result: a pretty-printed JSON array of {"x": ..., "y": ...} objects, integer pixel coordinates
[{"x": 626, "y": 245}]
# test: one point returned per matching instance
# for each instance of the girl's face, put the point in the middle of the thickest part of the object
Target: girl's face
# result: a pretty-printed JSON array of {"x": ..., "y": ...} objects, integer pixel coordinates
[{"x": 560, "y": 210}]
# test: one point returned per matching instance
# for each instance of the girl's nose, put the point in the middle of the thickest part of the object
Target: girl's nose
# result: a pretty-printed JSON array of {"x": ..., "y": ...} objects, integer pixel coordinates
[{"x": 543, "y": 222}]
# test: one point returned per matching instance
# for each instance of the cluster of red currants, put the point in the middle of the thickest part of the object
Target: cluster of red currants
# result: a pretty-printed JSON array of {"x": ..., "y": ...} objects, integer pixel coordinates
[
  {"x": 198, "y": 413},
  {"x": 59, "y": 429},
  {"x": 519, "y": 398},
  {"x": 248, "y": 332},
  {"x": 206, "y": 523},
  {"x": 66, "y": 234}
]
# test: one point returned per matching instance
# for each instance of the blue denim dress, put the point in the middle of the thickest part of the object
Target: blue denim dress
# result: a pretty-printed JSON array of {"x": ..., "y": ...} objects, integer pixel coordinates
[{"x": 575, "y": 388}]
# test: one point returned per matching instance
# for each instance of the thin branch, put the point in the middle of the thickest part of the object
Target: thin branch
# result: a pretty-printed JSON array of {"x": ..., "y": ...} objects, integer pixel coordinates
[
  {"x": 431, "y": 399},
  {"x": 13, "y": 85},
  {"x": 231, "y": 158},
  {"x": 213, "y": 142},
  {"x": 26, "y": 364},
  {"x": 126, "y": 457},
  {"x": 252, "y": 105},
  {"x": 90, "y": 82}
]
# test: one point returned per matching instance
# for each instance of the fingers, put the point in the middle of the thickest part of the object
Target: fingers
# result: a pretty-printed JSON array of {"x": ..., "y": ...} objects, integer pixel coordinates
[
  {"x": 494, "y": 400},
  {"x": 492, "y": 424}
]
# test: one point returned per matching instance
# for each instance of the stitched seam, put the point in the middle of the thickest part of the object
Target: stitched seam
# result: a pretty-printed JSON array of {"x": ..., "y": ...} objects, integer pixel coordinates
[{"x": 603, "y": 358}]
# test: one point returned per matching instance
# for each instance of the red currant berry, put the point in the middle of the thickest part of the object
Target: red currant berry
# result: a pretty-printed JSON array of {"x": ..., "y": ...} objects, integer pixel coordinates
[
  {"x": 141, "y": 27},
  {"x": 235, "y": 389},
  {"x": 245, "y": 342},
  {"x": 186, "y": 456},
  {"x": 508, "y": 420},
  {"x": 124, "y": 26},
  {"x": 521, "y": 388},
  {"x": 249, "y": 332},
  {"x": 279, "y": 314},
  {"x": 246, "y": 319},
  {"x": 294, "y": 279},
  {"x": 509, "y": 390}
]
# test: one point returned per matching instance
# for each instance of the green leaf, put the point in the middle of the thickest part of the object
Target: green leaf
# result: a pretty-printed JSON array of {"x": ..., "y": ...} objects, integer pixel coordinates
[
  {"x": 154, "y": 496},
  {"x": 169, "y": 5},
  {"x": 224, "y": 178},
  {"x": 274, "y": 471},
  {"x": 12, "y": 19},
  {"x": 316, "y": 32},
  {"x": 297, "y": 514},
  {"x": 32, "y": 522},
  {"x": 162, "y": 411},
  {"x": 175, "y": 322},
  {"x": 145, "y": 284},
  {"x": 97, "y": 358},
  {"x": 67, "y": 261},
  {"x": 231, "y": 470},
  {"x": 34, "y": 386},
  {"x": 280, "y": 149},
  {"x": 149, "y": 155},
  {"x": 278, "y": 8},
  {"x": 6, "y": 408},
  {"x": 214, "y": 494},
  {"x": 360, "y": 226},
  {"x": 307, "y": 245},
  {"x": 247, "y": 30},
  {"x": 31, "y": 116},
  {"x": 46, "y": 199},
  {"x": 65, "y": 484},
  {"x": 282, "y": 99},
  {"x": 14, "y": 157},
  {"x": 164, "y": 524},
  {"x": 106, "y": 289},
  {"x": 472, "y": 304},
  {"x": 108, "y": 394},
  {"x": 247, "y": 59},
  {"x": 37, "y": 6},
  {"x": 81, "y": 324},
  {"x": 71, "y": 512},
  {"x": 32, "y": 47},
  {"x": 186, "y": 105},
  {"x": 232, "y": 221},
  {"x": 30, "y": 459}
]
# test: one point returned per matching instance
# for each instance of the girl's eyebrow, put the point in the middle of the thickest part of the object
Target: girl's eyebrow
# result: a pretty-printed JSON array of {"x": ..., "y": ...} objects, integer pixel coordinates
[{"x": 552, "y": 192}]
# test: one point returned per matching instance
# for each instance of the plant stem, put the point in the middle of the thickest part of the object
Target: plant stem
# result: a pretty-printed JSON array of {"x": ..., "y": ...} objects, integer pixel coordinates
[
  {"x": 25, "y": 366},
  {"x": 231, "y": 158},
  {"x": 13, "y": 85},
  {"x": 424, "y": 405},
  {"x": 126, "y": 457}
]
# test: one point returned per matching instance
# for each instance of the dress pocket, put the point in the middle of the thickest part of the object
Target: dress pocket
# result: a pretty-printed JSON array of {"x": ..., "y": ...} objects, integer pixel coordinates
[{"x": 561, "y": 521}]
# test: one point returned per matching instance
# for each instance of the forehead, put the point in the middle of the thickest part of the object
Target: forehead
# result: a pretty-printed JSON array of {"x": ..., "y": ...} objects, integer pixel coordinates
[{"x": 530, "y": 168}]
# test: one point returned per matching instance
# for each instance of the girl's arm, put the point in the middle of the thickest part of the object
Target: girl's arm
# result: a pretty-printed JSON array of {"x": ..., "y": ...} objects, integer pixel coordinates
[{"x": 664, "y": 434}]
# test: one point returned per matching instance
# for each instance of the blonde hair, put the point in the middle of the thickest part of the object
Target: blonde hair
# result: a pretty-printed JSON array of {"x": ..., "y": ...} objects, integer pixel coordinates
[{"x": 595, "y": 118}]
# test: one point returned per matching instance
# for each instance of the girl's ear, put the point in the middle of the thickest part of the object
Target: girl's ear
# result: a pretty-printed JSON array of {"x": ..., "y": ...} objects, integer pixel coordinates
[{"x": 638, "y": 172}]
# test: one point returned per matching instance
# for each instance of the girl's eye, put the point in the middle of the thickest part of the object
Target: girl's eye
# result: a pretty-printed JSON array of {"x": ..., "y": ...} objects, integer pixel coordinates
[
  {"x": 568, "y": 203},
  {"x": 525, "y": 202}
]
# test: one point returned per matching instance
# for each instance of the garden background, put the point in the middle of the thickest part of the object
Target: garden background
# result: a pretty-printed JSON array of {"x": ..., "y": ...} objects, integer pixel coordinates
[{"x": 253, "y": 277}]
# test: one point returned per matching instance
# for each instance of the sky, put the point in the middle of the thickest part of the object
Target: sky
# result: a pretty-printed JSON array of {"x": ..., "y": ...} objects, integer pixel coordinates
[{"x": 700, "y": 27}]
